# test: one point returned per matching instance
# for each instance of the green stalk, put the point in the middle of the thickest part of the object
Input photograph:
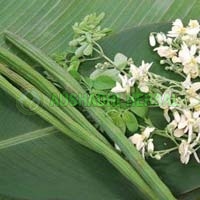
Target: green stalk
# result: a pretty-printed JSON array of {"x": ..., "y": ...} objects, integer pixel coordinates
[
  {"x": 48, "y": 89},
  {"x": 80, "y": 135},
  {"x": 71, "y": 85}
]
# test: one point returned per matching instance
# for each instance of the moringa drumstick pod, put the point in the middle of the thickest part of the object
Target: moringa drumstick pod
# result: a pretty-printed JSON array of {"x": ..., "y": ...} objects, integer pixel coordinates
[
  {"x": 79, "y": 134},
  {"x": 71, "y": 85},
  {"x": 47, "y": 88}
]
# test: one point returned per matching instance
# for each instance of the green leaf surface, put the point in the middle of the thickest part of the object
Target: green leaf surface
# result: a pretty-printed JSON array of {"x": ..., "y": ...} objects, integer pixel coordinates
[
  {"x": 120, "y": 61},
  {"x": 112, "y": 73},
  {"x": 103, "y": 83},
  {"x": 118, "y": 120},
  {"x": 130, "y": 121},
  {"x": 46, "y": 22},
  {"x": 55, "y": 167},
  {"x": 140, "y": 111},
  {"x": 191, "y": 195}
]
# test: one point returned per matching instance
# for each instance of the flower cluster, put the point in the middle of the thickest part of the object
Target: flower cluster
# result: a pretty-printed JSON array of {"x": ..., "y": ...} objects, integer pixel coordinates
[
  {"x": 143, "y": 141},
  {"x": 185, "y": 126},
  {"x": 137, "y": 75},
  {"x": 179, "y": 48}
]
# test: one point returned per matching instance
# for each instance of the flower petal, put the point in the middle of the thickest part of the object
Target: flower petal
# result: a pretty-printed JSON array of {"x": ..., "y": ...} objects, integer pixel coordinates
[
  {"x": 148, "y": 131},
  {"x": 136, "y": 138},
  {"x": 118, "y": 88},
  {"x": 178, "y": 133}
]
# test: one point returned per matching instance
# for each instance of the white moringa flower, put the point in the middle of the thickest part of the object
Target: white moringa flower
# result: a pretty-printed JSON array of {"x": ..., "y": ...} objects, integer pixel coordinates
[
  {"x": 184, "y": 124},
  {"x": 177, "y": 29},
  {"x": 173, "y": 126},
  {"x": 187, "y": 83},
  {"x": 187, "y": 55},
  {"x": 186, "y": 150},
  {"x": 193, "y": 28},
  {"x": 192, "y": 88},
  {"x": 166, "y": 51},
  {"x": 191, "y": 91},
  {"x": 147, "y": 132},
  {"x": 187, "y": 39},
  {"x": 195, "y": 102},
  {"x": 187, "y": 121},
  {"x": 169, "y": 41},
  {"x": 144, "y": 68},
  {"x": 161, "y": 38},
  {"x": 140, "y": 74},
  {"x": 189, "y": 60},
  {"x": 142, "y": 140},
  {"x": 138, "y": 140},
  {"x": 125, "y": 85},
  {"x": 141, "y": 71},
  {"x": 152, "y": 40}
]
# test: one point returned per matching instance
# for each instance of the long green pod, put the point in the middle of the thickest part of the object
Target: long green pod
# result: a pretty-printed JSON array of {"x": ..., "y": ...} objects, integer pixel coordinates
[
  {"x": 47, "y": 88},
  {"x": 82, "y": 137},
  {"x": 16, "y": 94},
  {"x": 71, "y": 85},
  {"x": 43, "y": 100}
]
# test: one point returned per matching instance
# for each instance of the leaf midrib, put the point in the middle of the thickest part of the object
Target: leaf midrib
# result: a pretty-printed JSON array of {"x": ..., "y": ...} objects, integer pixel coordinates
[{"x": 26, "y": 137}]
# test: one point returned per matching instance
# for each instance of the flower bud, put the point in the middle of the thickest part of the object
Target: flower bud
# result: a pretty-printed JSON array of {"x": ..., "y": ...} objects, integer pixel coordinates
[
  {"x": 152, "y": 40},
  {"x": 169, "y": 41},
  {"x": 157, "y": 156},
  {"x": 150, "y": 146},
  {"x": 162, "y": 62},
  {"x": 161, "y": 38}
]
